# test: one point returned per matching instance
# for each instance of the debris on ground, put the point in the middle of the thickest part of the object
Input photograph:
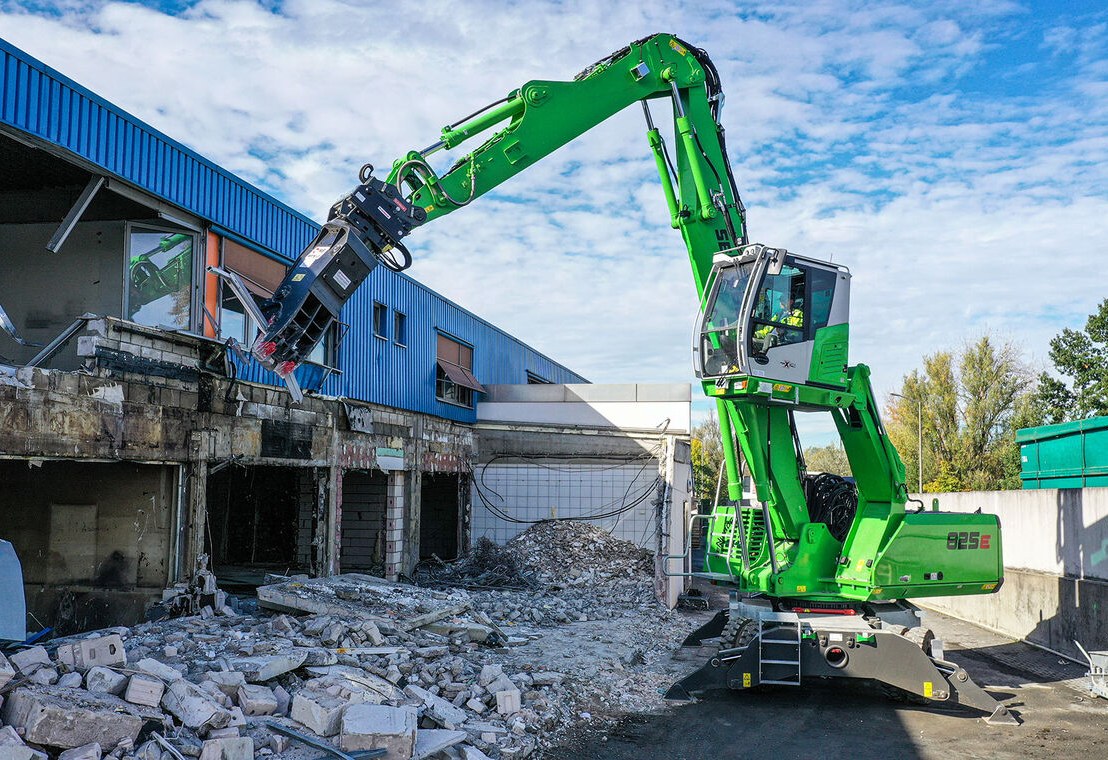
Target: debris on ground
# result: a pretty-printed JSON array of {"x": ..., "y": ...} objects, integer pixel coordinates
[{"x": 357, "y": 663}]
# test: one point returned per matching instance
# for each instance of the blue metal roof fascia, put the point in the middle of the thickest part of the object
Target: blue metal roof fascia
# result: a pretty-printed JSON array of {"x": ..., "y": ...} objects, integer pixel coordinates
[
  {"x": 46, "y": 104},
  {"x": 486, "y": 323}
]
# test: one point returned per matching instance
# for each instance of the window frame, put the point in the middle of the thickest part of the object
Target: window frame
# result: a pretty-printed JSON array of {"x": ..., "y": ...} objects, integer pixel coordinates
[
  {"x": 196, "y": 304},
  {"x": 384, "y": 311},
  {"x": 447, "y": 390},
  {"x": 399, "y": 328}
]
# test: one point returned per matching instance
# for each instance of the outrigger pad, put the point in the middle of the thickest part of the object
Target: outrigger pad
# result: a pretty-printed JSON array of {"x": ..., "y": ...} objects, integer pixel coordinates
[{"x": 710, "y": 630}]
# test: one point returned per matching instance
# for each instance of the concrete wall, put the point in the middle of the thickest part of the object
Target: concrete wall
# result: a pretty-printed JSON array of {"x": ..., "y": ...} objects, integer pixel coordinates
[
  {"x": 1056, "y": 566},
  {"x": 619, "y": 406},
  {"x": 547, "y": 451}
]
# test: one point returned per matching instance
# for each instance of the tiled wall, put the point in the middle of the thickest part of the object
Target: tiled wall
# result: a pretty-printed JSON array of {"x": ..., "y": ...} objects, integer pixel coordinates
[{"x": 542, "y": 490}]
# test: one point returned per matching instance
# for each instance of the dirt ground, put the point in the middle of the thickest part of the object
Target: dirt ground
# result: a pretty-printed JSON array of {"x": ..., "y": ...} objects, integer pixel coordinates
[{"x": 1059, "y": 717}]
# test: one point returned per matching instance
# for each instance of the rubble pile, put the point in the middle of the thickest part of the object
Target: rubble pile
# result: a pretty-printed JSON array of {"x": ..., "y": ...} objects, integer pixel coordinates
[
  {"x": 488, "y": 565},
  {"x": 577, "y": 553},
  {"x": 352, "y": 662}
]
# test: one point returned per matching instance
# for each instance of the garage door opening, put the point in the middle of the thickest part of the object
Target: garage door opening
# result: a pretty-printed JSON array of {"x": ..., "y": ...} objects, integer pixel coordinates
[
  {"x": 439, "y": 516},
  {"x": 94, "y": 538},
  {"x": 261, "y": 520},
  {"x": 364, "y": 497}
]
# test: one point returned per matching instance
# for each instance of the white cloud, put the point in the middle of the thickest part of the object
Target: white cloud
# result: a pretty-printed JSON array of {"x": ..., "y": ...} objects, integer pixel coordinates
[{"x": 867, "y": 132}]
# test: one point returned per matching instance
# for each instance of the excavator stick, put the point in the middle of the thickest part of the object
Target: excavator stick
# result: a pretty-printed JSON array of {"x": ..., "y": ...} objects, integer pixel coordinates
[
  {"x": 765, "y": 647},
  {"x": 365, "y": 229}
]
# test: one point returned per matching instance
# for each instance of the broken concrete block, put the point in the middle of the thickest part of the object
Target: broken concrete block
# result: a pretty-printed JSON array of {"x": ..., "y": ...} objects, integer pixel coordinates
[
  {"x": 490, "y": 673},
  {"x": 547, "y": 678},
  {"x": 237, "y": 718},
  {"x": 278, "y": 743},
  {"x": 318, "y": 711},
  {"x": 476, "y": 705},
  {"x": 144, "y": 690},
  {"x": 228, "y": 681},
  {"x": 437, "y": 708},
  {"x": 20, "y": 752},
  {"x": 430, "y": 741},
  {"x": 240, "y": 748},
  {"x": 27, "y": 661},
  {"x": 367, "y": 726},
  {"x": 85, "y": 752},
  {"x": 71, "y": 681},
  {"x": 193, "y": 707},
  {"x": 82, "y": 655},
  {"x": 508, "y": 702},
  {"x": 57, "y": 718},
  {"x": 265, "y": 668},
  {"x": 502, "y": 683},
  {"x": 105, "y": 681},
  {"x": 225, "y": 733},
  {"x": 284, "y": 699},
  {"x": 7, "y": 671},
  {"x": 469, "y": 752},
  {"x": 159, "y": 670},
  {"x": 257, "y": 700},
  {"x": 44, "y": 676},
  {"x": 13, "y": 748}
]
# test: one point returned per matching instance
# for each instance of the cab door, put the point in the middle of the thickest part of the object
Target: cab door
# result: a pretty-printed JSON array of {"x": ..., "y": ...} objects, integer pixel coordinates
[{"x": 797, "y": 321}]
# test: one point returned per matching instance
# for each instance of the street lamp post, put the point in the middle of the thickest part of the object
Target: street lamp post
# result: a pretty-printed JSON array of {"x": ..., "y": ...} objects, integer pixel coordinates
[{"x": 919, "y": 438}]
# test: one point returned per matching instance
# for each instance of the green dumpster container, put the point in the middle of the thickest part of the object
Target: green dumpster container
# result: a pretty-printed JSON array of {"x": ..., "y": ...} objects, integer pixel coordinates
[{"x": 1068, "y": 455}]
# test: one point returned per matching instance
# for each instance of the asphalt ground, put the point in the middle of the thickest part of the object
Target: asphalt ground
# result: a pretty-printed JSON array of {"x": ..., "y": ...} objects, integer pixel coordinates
[{"x": 1060, "y": 718}]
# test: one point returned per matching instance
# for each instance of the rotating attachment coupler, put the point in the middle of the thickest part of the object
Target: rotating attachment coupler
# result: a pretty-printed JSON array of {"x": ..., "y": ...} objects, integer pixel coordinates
[{"x": 364, "y": 229}]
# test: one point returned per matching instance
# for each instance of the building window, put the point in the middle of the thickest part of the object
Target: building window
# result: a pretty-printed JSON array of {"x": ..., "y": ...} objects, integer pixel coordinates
[
  {"x": 533, "y": 379},
  {"x": 400, "y": 329},
  {"x": 454, "y": 379},
  {"x": 159, "y": 275},
  {"x": 380, "y": 317},
  {"x": 261, "y": 276}
]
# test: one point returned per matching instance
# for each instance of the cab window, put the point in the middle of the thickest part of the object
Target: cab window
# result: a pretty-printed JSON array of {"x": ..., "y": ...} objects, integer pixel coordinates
[{"x": 779, "y": 310}]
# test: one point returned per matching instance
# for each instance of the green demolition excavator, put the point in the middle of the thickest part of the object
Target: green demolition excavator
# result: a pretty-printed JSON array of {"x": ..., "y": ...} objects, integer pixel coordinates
[{"x": 819, "y": 566}]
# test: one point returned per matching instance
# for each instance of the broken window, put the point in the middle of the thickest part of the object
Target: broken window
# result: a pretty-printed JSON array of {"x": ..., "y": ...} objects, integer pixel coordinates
[
  {"x": 454, "y": 379},
  {"x": 159, "y": 277}
]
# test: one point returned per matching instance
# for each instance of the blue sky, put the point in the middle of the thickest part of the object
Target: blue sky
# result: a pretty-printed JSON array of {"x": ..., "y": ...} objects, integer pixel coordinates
[{"x": 951, "y": 155}]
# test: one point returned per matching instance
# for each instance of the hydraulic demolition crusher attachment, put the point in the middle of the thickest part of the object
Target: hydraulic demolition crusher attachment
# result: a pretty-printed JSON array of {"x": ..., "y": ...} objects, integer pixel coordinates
[
  {"x": 364, "y": 229},
  {"x": 779, "y": 643}
]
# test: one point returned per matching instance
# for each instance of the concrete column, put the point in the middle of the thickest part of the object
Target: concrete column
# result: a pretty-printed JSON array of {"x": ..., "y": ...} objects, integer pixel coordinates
[
  {"x": 674, "y": 507},
  {"x": 394, "y": 525},
  {"x": 196, "y": 502},
  {"x": 333, "y": 561}
]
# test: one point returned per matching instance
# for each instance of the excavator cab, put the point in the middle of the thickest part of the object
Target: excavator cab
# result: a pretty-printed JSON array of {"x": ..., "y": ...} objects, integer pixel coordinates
[{"x": 771, "y": 314}]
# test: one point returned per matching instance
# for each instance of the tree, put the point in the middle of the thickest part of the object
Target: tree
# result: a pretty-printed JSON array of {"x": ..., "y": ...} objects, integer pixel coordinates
[
  {"x": 973, "y": 401},
  {"x": 1081, "y": 357},
  {"x": 830, "y": 458},
  {"x": 707, "y": 457}
]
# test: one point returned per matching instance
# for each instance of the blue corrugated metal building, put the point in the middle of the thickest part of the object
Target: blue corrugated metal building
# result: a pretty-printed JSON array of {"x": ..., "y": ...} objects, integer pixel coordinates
[{"x": 212, "y": 211}]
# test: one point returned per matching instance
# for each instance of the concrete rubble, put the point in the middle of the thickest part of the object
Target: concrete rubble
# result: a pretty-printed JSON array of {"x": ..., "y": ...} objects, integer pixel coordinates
[{"x": 361, "y": 663}]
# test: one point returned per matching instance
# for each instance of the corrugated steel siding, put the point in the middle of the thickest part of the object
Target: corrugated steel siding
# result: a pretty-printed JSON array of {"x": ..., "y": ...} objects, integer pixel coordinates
[
  {"x": 42, "y": 102},
  {"x": 379, "y": 371}
]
